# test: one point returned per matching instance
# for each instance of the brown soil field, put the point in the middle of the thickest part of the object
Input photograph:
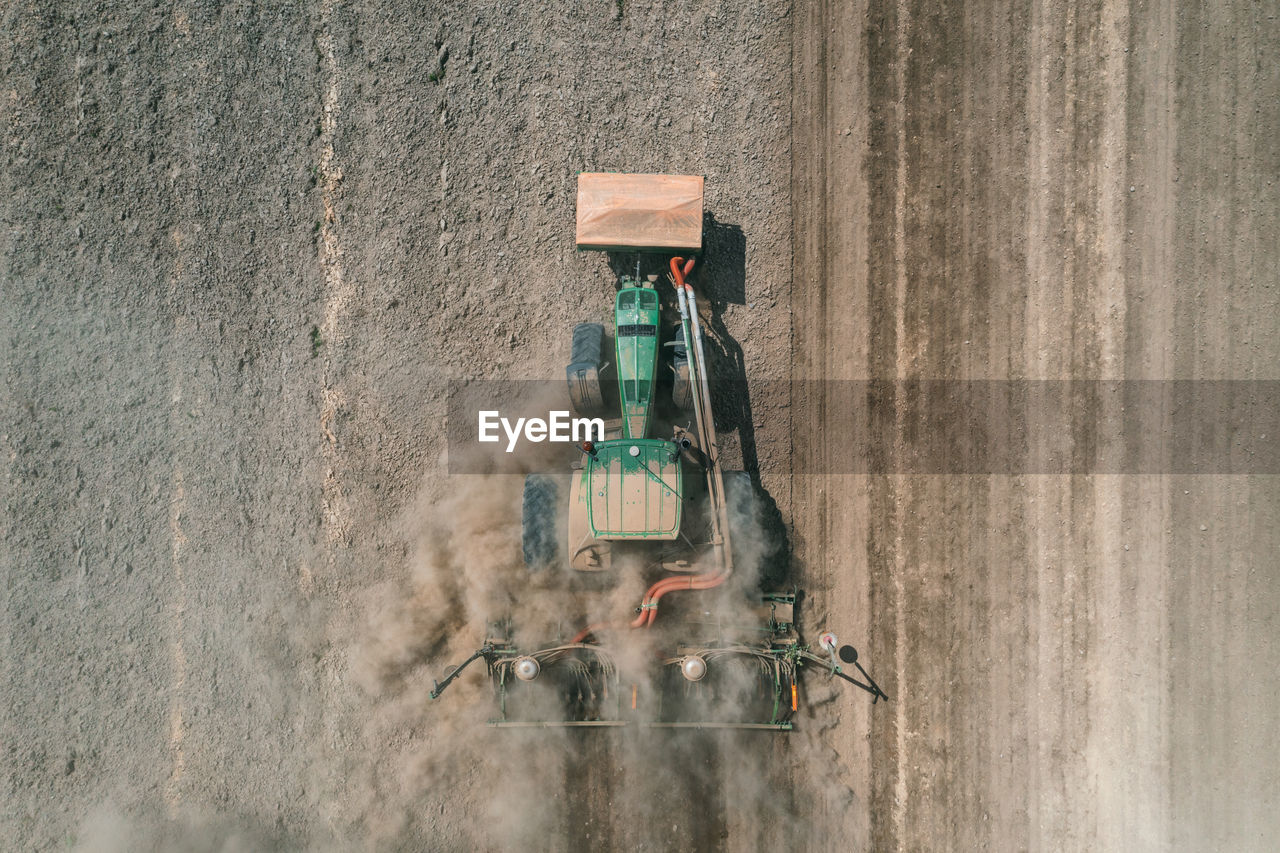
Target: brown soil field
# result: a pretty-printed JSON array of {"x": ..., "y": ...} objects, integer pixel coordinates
[{"x": 246, "y": 249}]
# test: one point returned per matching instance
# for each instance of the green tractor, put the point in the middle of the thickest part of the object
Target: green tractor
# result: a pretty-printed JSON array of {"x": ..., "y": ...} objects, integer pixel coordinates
[
  {"x": 662, "y": 504},
  {"x": 630, "y": 487}
]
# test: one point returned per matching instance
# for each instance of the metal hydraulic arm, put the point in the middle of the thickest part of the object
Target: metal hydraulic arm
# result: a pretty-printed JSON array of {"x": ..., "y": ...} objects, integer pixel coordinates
[{"x": 439, "y": 687}]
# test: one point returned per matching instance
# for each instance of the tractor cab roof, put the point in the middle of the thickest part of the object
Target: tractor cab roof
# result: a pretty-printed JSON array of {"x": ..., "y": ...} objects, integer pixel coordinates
[{"x": 634, "y": 489}]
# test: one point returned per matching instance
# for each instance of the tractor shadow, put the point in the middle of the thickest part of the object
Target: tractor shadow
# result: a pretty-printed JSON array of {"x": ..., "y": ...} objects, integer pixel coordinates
[{"x": 723, "y": 282}]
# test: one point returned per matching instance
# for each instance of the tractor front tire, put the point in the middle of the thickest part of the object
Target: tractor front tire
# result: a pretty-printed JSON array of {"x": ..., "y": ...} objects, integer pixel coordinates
[
  {"x": 540, "y": 518},
  {"x": 586, "y": 360}
]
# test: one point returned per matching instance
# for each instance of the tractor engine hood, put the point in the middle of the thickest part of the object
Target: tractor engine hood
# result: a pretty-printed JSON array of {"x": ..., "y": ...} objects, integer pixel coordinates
[{"x": 636, "y": 327}]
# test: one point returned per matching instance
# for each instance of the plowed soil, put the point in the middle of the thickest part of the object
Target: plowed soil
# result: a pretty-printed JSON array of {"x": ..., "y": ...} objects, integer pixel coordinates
[{"x": 245, "y": 250}]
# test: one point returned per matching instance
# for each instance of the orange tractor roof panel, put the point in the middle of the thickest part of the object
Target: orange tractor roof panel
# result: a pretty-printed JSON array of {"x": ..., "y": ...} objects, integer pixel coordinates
[{"x": 639, "y": 212}]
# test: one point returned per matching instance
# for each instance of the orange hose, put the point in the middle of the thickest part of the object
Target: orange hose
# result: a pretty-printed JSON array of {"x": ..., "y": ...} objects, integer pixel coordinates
[
  {"x": 649, "y": 606},
  {"x": 588, "y": 631},
  {"x": 679, "y": 273},
  {"x": 696, "y": 582}
]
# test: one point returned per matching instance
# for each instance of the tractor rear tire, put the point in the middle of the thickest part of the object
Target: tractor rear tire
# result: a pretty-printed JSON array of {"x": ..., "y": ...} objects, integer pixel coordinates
[
  {"x": 586, "y": 359},
  {"x": 540, "y": 517},
  {"x": 760, "y": 546},
  {"x": 681, "y": 384}
]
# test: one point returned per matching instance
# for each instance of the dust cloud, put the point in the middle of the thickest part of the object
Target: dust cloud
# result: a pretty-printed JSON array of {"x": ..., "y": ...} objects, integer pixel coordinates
[
  {"x": 466, "y": 574},
  {"x": 431, "y": 774},
  {"x": 522, "y": 788},
  {"x": 108, "y": 830}
]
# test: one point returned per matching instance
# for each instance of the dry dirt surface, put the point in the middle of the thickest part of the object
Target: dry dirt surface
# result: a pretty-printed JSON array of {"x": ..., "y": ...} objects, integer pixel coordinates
[{"x": 245, "y": 248}]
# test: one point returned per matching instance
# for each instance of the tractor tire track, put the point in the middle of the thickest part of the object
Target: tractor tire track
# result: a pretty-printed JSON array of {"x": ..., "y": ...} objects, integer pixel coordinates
[{"x": 1045, "y": 196}]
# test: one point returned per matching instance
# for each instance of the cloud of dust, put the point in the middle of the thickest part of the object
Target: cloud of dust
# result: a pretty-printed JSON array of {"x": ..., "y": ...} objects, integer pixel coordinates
[
  {"x": 107, "y": 829},
  {"x": 451, "y": 781},
  {"x": 431, "y": 774},
  {"x": 455, "y": 778}
]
